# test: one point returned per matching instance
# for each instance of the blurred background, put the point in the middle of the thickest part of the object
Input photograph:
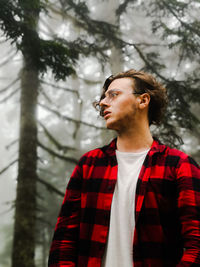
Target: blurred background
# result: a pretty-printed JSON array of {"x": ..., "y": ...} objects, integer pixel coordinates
[{"x": 54, "y": 58}]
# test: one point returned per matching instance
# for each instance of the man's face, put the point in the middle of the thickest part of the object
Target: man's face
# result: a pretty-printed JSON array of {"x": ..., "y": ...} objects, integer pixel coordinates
[{"x": 120, "y": 104}]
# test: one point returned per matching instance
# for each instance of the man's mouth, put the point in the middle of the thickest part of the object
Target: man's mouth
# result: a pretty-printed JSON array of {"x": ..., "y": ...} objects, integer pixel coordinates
[{"x": 106, "y": 114}]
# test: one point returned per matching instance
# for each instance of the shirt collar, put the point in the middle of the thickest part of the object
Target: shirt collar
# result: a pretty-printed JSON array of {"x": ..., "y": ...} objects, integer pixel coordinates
[{"x": 156, "y": 147}]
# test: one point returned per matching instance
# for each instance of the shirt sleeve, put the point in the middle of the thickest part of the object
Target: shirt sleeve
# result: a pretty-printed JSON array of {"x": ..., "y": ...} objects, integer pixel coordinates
[
  {"x": 188, "y": 180},
  {"x": 63, "y": 251}
]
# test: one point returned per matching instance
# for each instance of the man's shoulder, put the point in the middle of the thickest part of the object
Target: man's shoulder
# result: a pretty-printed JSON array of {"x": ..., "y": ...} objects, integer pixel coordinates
[
  {"x": 180, "y": 156},
  {"x": 98, "y": 153},
  {"x": 171, "y": 156},
  {"x": 166, "y": 150},
  {"x": 176, "y": 152}
]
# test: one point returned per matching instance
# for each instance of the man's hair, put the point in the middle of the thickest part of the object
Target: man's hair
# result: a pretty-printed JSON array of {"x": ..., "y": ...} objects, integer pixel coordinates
[{"x": 143, "y": 83}]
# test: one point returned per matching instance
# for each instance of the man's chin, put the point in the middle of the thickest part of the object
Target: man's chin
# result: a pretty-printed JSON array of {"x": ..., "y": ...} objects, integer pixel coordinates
[{"x": 110, "y": 125}]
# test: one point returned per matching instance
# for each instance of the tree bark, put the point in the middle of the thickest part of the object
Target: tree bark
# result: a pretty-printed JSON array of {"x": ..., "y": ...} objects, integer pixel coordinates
[
  {"x": 25, "y": 205},
  {"x": 25, "y": 213}
]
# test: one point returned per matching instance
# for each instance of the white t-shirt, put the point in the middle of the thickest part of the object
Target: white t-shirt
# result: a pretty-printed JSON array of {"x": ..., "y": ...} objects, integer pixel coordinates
[{"x": 118, "y": 252}]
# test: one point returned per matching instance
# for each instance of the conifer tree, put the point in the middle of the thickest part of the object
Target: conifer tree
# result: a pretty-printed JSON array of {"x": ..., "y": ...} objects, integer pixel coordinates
[{"x": 19, "y": 22}]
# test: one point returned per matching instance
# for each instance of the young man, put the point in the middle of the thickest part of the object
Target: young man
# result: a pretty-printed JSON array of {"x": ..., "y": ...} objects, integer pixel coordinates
[{"x": 134, "y": 202}]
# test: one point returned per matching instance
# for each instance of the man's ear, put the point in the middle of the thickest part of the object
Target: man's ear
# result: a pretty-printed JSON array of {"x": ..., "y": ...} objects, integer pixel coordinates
[{"x": 144, "y": 100}]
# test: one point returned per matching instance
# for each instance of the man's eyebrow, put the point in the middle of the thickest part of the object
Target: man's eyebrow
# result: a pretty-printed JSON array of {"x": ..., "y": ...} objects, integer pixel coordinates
[{"x": 113, "y": 90}]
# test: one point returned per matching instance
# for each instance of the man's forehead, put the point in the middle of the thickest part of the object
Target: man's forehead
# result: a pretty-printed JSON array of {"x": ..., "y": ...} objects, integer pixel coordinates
[{"x": 125, "y": 83}]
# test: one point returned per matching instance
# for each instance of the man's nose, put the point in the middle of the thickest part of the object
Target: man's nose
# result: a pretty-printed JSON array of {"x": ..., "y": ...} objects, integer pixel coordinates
[{"x": 103, "y": 102}]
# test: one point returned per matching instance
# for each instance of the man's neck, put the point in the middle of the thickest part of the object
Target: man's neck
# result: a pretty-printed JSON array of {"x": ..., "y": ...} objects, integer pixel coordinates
[{"x": 134, "y": 141}]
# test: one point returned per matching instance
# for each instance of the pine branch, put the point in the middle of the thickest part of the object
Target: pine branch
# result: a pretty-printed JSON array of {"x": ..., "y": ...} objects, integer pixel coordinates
[
  {"x": 122, "y": 7},
  {"x": 11, "y": 144},
  {"x": 187, "y": 26},
  {"x": 8, "y": 86},
  {"x": 60, "y": 87},
  {"x": 57, "y": 113},
  {"x": 47, "y": 26},
  {"x": 85, "y": 23},
  {"x": 55, "y": 154},
  {"x": 95, "y": 28},
  {"x": 4, "y": 62},
  {"x": 46, "y": 171},
  {"x": 42, "y": 91},
  {"x": 90, "y": 82},
  {"x": 50, "y": 187},
  {"x": 150, "y": 66},
  {"x": 8, "y": 166},
  {"x": 65, "y": 15},
  {"x": 9, "y": 96},
  {"x": 143, "y": 44},
  {"x": 7, "y": 210},
  {"x": 54, "y": 140}
]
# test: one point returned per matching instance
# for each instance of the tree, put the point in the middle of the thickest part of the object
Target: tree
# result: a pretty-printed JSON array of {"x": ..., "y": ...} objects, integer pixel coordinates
[{"x": 19, "y": 22}]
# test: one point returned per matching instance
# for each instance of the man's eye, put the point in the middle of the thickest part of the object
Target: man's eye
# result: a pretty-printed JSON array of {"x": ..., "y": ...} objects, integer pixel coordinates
[{"x": 114, "y": 94}]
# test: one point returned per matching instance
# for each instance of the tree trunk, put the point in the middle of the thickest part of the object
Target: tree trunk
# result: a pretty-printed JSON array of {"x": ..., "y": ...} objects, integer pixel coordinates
[
  {"x": 109, "y": 15},
  {"x": 25, "y": 213},
  {"x": 25, "y": 206}
]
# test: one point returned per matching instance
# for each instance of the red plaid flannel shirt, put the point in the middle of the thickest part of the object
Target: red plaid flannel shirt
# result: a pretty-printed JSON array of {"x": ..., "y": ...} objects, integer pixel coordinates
[{"x": 167, "y": 210}]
